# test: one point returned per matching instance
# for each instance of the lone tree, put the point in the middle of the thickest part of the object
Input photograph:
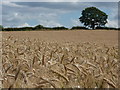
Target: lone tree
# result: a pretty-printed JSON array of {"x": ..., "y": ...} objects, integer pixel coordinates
[{"x": 93, "y": 17}]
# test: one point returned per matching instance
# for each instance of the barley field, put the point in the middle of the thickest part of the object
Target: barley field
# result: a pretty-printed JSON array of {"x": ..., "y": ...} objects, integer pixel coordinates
[{"x": 60, "y": 59}]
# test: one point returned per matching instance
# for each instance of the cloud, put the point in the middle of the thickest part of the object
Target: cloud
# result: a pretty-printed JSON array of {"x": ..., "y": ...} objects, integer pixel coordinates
[
  {"x": 24, "y": 25},
  {"x": 0, "y": 13},
  {"x": 62, "y": 6},
  {"x": 12, "y": 19},
  {"x": 76, "y": 22},
  {"x": 50, "y": 23},
  {"x": 21, "y": 16},
  {"x": 10, "y": 4},
  {"x": 63, "y": 0},
  {"x": 68, "y": 5},
  {"x": 112, "y": 23},
  {"x": 51, "y": 13},
  {"x": 105, "y": 4}
]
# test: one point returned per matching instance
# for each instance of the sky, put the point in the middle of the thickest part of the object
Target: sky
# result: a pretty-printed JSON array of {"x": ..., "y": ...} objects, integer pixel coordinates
[{"x": 52, "y": 14}]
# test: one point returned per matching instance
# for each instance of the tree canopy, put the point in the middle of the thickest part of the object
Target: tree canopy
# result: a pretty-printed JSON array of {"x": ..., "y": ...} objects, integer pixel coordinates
[{"x": 93, "y": 17}]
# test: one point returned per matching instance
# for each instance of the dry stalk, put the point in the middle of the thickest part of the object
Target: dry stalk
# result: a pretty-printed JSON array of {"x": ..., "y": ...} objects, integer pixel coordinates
[
  {"x": 61, "y": 75},
  {"x": 110, "y": 83},
  {"x": 52, "y": 84}
]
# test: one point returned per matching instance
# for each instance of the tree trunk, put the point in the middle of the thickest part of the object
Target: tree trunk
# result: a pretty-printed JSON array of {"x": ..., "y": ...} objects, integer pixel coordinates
[{"x": 93, "y": 25}]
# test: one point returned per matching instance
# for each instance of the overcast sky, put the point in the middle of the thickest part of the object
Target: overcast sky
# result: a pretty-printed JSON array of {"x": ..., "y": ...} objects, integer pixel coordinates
[{"x": 20, "y": 14}]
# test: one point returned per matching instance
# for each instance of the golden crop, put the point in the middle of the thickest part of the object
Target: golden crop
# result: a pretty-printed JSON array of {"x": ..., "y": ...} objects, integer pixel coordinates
[{"x": 30, "y": 63}]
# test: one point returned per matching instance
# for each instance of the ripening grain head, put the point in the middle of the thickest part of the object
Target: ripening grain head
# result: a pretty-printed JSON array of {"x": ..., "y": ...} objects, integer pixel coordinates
[{"x": 38, "y": 64}]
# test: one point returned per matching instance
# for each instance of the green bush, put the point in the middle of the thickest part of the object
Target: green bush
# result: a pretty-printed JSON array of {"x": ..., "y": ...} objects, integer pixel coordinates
[
  {"x": 78, "y": 27},
  {"x": 60, "y": 28},
  {"x": 107, "y": 28},
  {"x": 38, "y": 27}
]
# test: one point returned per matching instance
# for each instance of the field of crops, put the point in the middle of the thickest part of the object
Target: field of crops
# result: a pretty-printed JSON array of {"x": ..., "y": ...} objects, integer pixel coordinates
[{"x": 45, "y": 60}]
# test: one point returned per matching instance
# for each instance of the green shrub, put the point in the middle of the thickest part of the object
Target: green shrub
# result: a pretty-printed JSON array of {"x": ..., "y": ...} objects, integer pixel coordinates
[
  {"x": 60, "y": 28},
  {"x": 78, "y": 27},
  {"x": 107, "y": 28}
]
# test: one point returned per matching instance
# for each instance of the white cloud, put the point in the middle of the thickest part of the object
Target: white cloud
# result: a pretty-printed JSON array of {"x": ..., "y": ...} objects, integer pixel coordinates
[
  {"x": 12, "y": 17},
  {"x": 21, "y": 25},
  {"x": 47, "y": 15},
  {"x": 50, "y": 23},
  {"x": 76, "y": 22},
  {"x": 8, "y": 3},
  {"x": 0, "y": 13},
  {"x": 49, "y": 19},
  {"x": 17, "y": 15},
  {"x": 24, "y": 25},
  {"x": 112, "y": 23}
]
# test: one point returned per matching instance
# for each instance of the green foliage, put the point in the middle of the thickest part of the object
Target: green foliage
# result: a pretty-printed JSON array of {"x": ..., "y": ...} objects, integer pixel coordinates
[
  {"x": 18, "y": 29},
  {"x": 107, "y": 28},
  {"x": 38, "y": 27},
  {"x": 93, "y": 17},
  {"x": 60, "y": 28},
  {"x": 78, "y": 27}
]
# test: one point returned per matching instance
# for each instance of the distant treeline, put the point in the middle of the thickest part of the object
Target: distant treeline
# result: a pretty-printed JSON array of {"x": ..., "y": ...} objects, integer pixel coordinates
[
  {"x": 102, "y": 28},
  {"x": 108, "y": 28},
  {"x": 40, "y": 27}
]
